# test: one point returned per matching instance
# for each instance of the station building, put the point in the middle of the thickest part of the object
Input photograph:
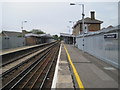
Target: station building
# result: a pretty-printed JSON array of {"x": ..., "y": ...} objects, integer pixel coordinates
[
  {"x": 34, "y": 39},
  {"x": 68, "y": 38},
  {"x": 91, "y": 25},
  {"x": 13, "y": 39}
]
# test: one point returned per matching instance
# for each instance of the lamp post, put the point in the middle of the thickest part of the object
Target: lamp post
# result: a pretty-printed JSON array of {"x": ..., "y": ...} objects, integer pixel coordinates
[
  {"x": 22, "y": 24},
  {"x": 69, "y": 33},
  {"x": 83, "y": 26},
  {"x": 68, "y": 29},
  {"x": 73, "y": 36},
  {"x": 72, "y": 22}
]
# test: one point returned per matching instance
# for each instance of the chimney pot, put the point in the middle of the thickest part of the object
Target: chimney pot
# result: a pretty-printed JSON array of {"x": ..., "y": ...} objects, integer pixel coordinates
[{"x": 92, "y": 15}]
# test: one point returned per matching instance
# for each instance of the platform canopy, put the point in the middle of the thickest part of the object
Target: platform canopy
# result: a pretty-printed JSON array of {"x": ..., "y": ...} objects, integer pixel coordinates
[
  {"x": 37, "y": 35},
  {"x": 66, "y": 35}
]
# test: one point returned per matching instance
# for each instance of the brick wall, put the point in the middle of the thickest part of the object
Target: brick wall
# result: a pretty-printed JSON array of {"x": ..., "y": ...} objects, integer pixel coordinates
[
  {"x": 30, "y": 40},
  {"x": 91, "y": 27},
  {"x": 94, "y": 27}
]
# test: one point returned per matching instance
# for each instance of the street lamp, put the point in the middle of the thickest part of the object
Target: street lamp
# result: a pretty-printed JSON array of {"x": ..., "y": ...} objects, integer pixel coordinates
[
  {"x": 68, "y": 36},
  {"x": 22, "y": 24},
  {"x": 69, "y": 29},
  {"x": 73, "y": 36},
  {"x": 82, "y": 14},
  {"x": 82, "y": 20},
  {"x": 72, "y": 22}
]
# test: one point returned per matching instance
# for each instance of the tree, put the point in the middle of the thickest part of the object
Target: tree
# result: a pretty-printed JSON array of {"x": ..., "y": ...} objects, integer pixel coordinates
[
  {"x": 56, "y": 37},
  {"x": 37, "y": 31},
  {"x": 60, "y": 38}
]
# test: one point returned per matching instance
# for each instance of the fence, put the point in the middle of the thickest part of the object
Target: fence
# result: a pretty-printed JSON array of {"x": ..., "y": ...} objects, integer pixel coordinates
[{"x": 102, "y": 44}]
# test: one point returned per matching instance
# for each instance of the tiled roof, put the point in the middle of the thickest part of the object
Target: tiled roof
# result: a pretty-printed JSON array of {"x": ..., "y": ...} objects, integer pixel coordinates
[
  {"x": 66, "y": 35},
  {"x": 89, "y": 20},
  {"x": 37, "y": 35},
  {"x": 11, "y": 33},
  {"x": 105, "y": 30}
]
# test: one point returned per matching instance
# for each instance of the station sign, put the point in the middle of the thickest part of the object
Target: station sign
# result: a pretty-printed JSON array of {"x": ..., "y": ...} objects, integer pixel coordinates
[{"x": 111, "y": 35}]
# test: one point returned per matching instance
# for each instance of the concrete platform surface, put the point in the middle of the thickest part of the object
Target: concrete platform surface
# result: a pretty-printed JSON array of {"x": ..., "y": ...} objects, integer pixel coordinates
[
  {"x": 93, "y": 72},
  {"x": 64, "y": 79},
  {"x": 5, "y": 51}
]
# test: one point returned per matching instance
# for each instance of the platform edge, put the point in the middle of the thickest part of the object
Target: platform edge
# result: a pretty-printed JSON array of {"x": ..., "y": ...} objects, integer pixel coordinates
[{"x": 54, "y": 82}]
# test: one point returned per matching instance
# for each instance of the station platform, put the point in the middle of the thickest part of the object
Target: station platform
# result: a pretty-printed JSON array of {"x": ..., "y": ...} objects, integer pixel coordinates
[
  {"x": 6, "y": 51},
  {"x": 78, "y": 69}
]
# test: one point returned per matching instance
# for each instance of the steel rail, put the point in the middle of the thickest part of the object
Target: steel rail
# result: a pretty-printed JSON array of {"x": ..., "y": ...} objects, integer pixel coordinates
[
  {"x": 46, "y": 72},
  {"x": 21, "y": 74},
  {"x": 42, "y": 65},
  {"x": 18, "y": 77},
  {"x": 8, "y": 71},
  {"x": 13, "y": 68},
  {"x": 54, "y": 58},
  {"x": 28, "y": 53}
]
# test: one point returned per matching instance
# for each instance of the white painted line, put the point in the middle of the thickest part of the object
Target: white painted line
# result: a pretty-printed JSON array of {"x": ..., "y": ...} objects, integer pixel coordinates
[
  {"x": 109, "y": 68},
  {"x": 55, "y": 78}
]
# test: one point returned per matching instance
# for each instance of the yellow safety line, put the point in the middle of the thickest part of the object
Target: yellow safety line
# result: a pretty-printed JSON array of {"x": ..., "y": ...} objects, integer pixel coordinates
[{"x": 75, "y": 71}]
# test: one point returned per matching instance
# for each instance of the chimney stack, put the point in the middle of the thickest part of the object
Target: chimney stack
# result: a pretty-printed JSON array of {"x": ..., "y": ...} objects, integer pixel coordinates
[{"x": 92, "y": 15}]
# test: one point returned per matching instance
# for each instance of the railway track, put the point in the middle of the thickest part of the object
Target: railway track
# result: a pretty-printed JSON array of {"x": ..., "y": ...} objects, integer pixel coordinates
[
  {"x": 22, "y": 60},
  {"x": 21, "y": 54},
  {"x": 28, "y": 72}
]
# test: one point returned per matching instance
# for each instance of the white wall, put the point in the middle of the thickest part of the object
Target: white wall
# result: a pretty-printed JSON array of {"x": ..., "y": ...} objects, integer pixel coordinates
[
  {"x": 103, "y": 48},
  {"x": 12, "y": 42}
]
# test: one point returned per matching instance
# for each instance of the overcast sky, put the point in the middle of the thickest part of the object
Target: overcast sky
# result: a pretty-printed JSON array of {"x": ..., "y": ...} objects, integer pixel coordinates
[{"x": 53, "y": 17}]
